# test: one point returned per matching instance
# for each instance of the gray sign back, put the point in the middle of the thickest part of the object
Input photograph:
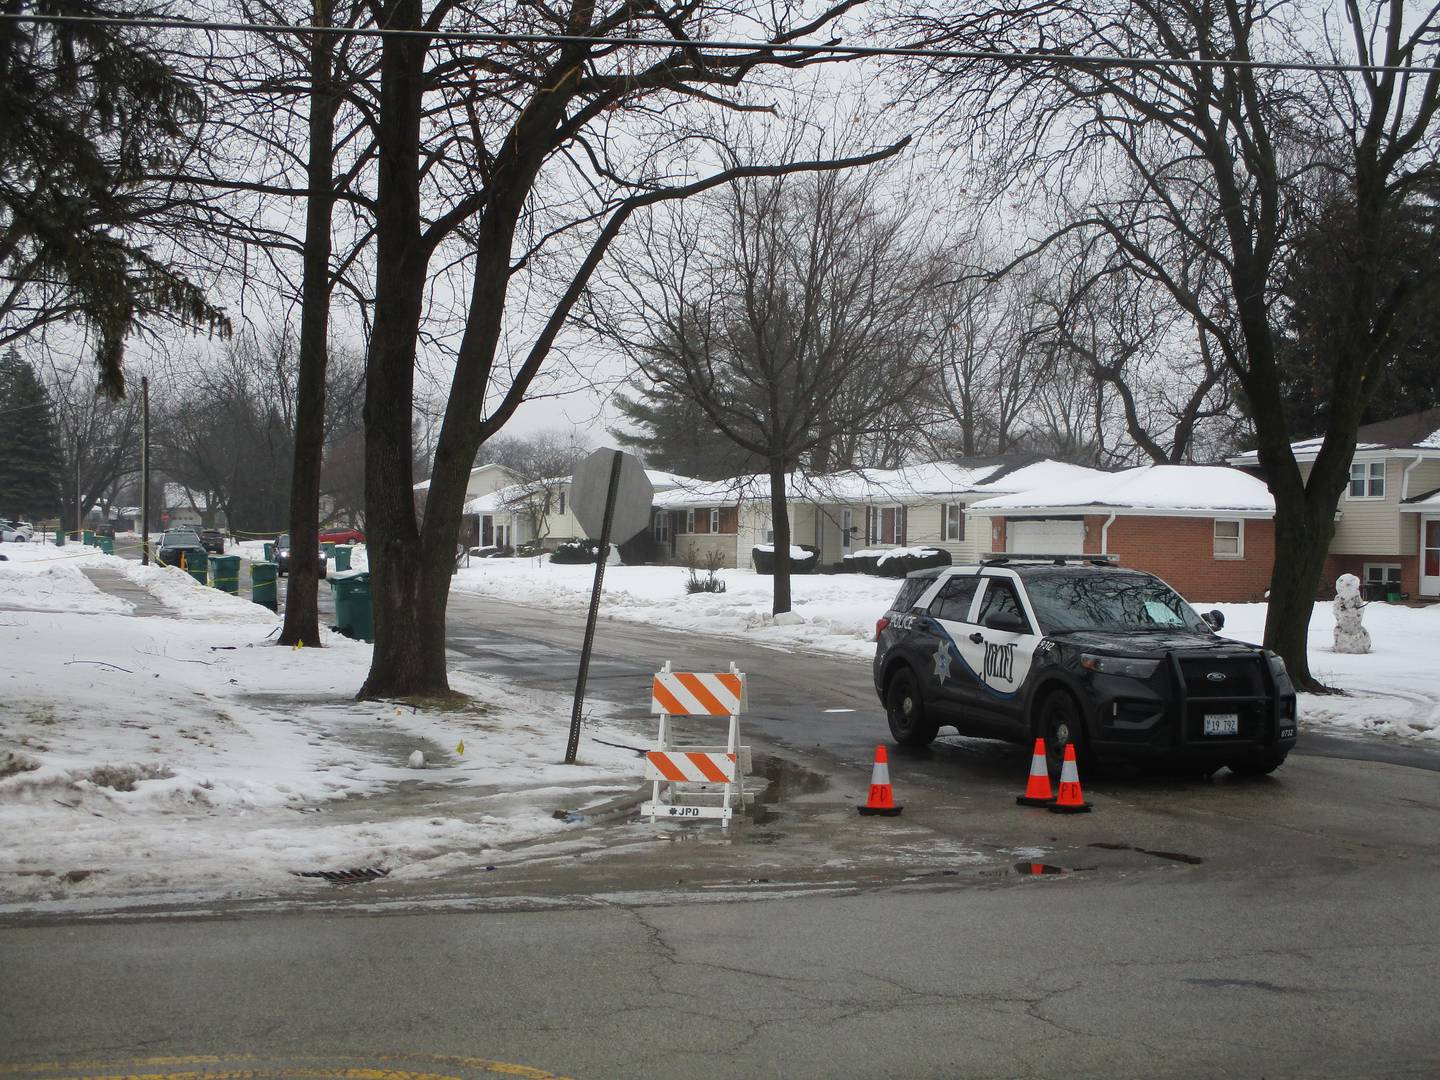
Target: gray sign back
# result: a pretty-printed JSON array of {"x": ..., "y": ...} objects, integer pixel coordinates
[{"x": 588, "y": 488}]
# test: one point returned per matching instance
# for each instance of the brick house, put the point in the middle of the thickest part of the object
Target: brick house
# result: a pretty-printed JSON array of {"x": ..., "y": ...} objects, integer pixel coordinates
[
  {"x": 1208, "y": 530},
  {"x": 1387, "y": 532}
]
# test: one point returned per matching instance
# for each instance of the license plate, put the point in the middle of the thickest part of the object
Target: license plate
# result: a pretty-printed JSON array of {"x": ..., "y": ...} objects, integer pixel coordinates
[{"x": 1225, "y": 723}]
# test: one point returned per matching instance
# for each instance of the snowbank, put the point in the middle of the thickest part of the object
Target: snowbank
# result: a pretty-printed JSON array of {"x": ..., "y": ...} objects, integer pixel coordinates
[{"x": 188, "y": 757}]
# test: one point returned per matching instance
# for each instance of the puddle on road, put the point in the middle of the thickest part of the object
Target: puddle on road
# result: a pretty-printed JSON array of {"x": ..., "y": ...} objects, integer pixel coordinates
[{"x": 1172, "y": 856}]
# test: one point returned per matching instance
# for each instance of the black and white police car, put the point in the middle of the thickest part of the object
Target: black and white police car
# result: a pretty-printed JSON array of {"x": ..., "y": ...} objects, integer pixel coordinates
[{"x": 1078, "y": 651}]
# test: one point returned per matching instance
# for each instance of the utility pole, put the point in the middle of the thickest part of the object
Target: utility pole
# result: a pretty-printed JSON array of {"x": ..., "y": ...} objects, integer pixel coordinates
[
  {"x": 79, "y": 509},
  {"x": 144, "y": 470}
]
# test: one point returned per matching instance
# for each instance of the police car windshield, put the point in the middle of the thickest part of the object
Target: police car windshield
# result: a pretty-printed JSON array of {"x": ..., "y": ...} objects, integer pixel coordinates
[{"x": 1111, "y": 602}]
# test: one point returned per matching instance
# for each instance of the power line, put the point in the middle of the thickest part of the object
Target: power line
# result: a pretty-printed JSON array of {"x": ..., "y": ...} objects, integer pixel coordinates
[{"x": 788, "y": 49}]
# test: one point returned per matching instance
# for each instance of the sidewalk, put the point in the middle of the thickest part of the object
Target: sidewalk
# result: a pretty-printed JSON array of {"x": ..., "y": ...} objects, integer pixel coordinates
[{"x": 118, "y": 585}]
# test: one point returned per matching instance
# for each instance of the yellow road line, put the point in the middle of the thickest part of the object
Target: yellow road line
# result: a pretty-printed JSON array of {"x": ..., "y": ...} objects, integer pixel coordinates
[{"x": 120, "y": 1070}]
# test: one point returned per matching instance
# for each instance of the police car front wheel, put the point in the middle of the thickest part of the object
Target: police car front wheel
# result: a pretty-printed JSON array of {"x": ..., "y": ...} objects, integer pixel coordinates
[
  {"x": 905, "y": 710},
  {"x": 1060, "y": 724}
]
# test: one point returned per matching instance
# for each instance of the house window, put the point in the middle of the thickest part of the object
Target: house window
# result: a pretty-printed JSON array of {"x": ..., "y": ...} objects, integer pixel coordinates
[
  {"x": 1367, "y": 480},
  {"x": 662, "y": 526},
  {"x": 689, "y": 521},
  {"x": 715, "y": 520},
  {"x": 1229, "y": 539},
  {"x": 954, "y": 522},
  {"x": 1382, "y": 574},
  {"x": 562, "y": 503},
  {"x": 847, "y": 526}
]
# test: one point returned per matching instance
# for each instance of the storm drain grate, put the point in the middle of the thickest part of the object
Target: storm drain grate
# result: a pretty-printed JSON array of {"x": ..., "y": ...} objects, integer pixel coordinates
[{"x": 346, "y": 877}]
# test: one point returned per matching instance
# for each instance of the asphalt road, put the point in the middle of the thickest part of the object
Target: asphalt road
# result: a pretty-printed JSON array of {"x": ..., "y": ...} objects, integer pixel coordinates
[{"x": 1281, "y": 927}]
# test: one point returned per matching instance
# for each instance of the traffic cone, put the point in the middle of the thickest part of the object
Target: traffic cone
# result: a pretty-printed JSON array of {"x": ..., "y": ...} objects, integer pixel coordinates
[
  {"x": 1037, "y": 789},
  {"x": 1070, "y": 800},
  {"x": 882, "y": 799}
]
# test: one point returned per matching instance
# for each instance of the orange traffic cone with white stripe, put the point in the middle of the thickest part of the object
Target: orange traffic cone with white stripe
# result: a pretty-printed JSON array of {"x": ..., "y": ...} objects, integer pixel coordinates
[
  {"x": 1070, "y": 800},
  {"x": 882, "y": 798},
  {"x": 1037, "y": 788}
]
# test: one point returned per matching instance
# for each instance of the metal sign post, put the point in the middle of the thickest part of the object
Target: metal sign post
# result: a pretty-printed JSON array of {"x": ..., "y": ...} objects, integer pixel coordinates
[{"x": 601, "y": 559}]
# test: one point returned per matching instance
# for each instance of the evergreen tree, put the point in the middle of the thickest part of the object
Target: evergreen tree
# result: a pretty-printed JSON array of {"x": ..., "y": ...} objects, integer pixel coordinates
[
  {"x": 672, "y": 433},
  {"x": 89, "y": 112},
  {"x": 29, "y": 463}
]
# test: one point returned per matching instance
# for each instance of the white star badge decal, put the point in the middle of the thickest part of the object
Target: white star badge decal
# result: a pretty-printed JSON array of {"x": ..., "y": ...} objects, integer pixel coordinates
[{"x": 942, "y": 660}]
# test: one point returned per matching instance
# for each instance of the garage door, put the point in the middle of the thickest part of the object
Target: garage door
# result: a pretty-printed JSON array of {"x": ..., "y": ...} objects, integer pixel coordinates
[{"x": 1045, "y": 537}]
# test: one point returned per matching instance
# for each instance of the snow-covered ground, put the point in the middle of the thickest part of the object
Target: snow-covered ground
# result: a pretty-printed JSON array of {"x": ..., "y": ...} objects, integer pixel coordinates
[
  {"x": 189, "y": 757},
  {"x": 1393, "y": 690}
]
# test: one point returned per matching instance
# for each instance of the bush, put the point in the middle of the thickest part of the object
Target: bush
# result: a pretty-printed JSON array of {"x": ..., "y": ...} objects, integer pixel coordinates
[
  {"x": 764, "y": 560},
  {"x": 711, "y": 582},
  {"x": 642, "y": 548},
  {"x": 573, "y": 552},
  {"x": 896, "y": 564},
  {"x": 914, "y": 559},
  {"x": 492, "y": 551}
]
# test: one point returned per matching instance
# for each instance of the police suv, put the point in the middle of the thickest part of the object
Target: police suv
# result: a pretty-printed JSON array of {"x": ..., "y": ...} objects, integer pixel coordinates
[{"x": 1078, "y": 651}]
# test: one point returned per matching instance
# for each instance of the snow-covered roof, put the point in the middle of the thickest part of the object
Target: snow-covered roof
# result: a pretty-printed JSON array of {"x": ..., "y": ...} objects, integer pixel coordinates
[
  {"x": 909, "y": 483},
  {"x": 1426, "y": 500},
  {"x": 1161, "y": 490},
  {"x": 424, "y": 485},
  {"x": 1417, "y": 434}
]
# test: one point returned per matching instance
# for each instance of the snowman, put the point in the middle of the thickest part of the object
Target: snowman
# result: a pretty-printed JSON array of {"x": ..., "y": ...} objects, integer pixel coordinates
[{"x": 1350, "y": 636}]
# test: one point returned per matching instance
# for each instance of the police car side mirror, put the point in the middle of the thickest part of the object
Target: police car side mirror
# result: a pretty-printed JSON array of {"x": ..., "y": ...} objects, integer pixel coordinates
[
  {"x": 1005, "y": 621},
  {"x": 1214, "y": 619}
]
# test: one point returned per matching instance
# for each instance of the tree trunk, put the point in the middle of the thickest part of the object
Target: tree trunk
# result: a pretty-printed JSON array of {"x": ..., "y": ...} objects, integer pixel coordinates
[
  {"x": 405, "y": 662},
  {"x": 780, "y": 520},
  {"x": 302, "y": 621}
]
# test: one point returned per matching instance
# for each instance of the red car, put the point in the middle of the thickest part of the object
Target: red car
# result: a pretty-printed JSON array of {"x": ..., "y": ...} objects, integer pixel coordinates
[{"x": 341, "y": 536}]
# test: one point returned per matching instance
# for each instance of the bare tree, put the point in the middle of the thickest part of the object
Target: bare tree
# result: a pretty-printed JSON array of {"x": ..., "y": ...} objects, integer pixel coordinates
[
  {"x": 544, "y": 462},
  {"x": 788, "y": 309},
  {"x": 504, "y": 173},
  {"x": 1215, "y": 159}
]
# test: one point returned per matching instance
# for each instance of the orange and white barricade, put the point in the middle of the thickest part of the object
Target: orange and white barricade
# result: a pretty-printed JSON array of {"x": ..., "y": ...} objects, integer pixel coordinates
[{"x": 698, "y": 781}]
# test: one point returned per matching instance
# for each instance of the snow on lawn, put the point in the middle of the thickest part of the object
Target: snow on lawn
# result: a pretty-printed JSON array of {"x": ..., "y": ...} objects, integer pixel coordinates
[
  {"x": 1393, "y": 690},
  {"x": 833, "y": 613},
  {"x": 189, "y": 757},
  {"x": 45, "y": 578}
]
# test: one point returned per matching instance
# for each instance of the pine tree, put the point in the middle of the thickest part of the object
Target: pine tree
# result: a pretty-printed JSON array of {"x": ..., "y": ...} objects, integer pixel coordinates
[{"x": 29, "y": 463}]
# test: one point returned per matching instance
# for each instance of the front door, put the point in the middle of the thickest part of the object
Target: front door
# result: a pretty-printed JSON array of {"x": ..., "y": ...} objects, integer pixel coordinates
[
  {"x": 1430, "y": 556},
  {"x": 999, "y": 647}
]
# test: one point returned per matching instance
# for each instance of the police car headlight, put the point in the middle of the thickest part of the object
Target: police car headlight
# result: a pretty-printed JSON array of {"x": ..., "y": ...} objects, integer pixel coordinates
[{"x": 1131, "y": 667}]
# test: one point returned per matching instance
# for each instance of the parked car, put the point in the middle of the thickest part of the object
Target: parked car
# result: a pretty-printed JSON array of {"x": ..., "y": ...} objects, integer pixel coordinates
[
  {"x": 15, "y": 532},
  {"x": 1110, "y": 660},
  {"x": 341, "y": 536},
  {"x": 105, "y": 530},
  {"x": 282, "y": 555},
  {"x": 213, "y": 540},
  {"x": 176, "y": 545}
]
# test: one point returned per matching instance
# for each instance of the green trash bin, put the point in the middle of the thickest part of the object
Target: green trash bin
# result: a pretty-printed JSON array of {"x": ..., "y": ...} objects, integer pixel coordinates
[
  {"x": 269, "y": 550},
  {"x": 88, "y": 537},
  {"x": 59, "y": 537},
  {"x": 329, "y": 548},
  {"x": 342, "y": 556},
  {"x": 262, "y": 585},
  {"x": 107, "y": 545},
  {"x": 354, "y": 617},
  {"x": 196, "y": 564},
  {"x": 225, "y": 573}
]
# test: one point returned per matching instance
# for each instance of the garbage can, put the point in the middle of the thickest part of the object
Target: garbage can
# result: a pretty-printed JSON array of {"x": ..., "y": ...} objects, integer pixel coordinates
[
  {"x": 269, "y": 550},
  {"x": 329, "y": 548},
  {"x": 87, "y": 537},
  {"x": 262, "y": 585},
  {"x": 196, "y": 564},
  {"x": 107, "y": 545},
  {"x": 59, "y": 537},
  {"x": 354, "y": 616},
  {"x": 342, "y": 556},
  {"x": 225, "y": 573}
]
